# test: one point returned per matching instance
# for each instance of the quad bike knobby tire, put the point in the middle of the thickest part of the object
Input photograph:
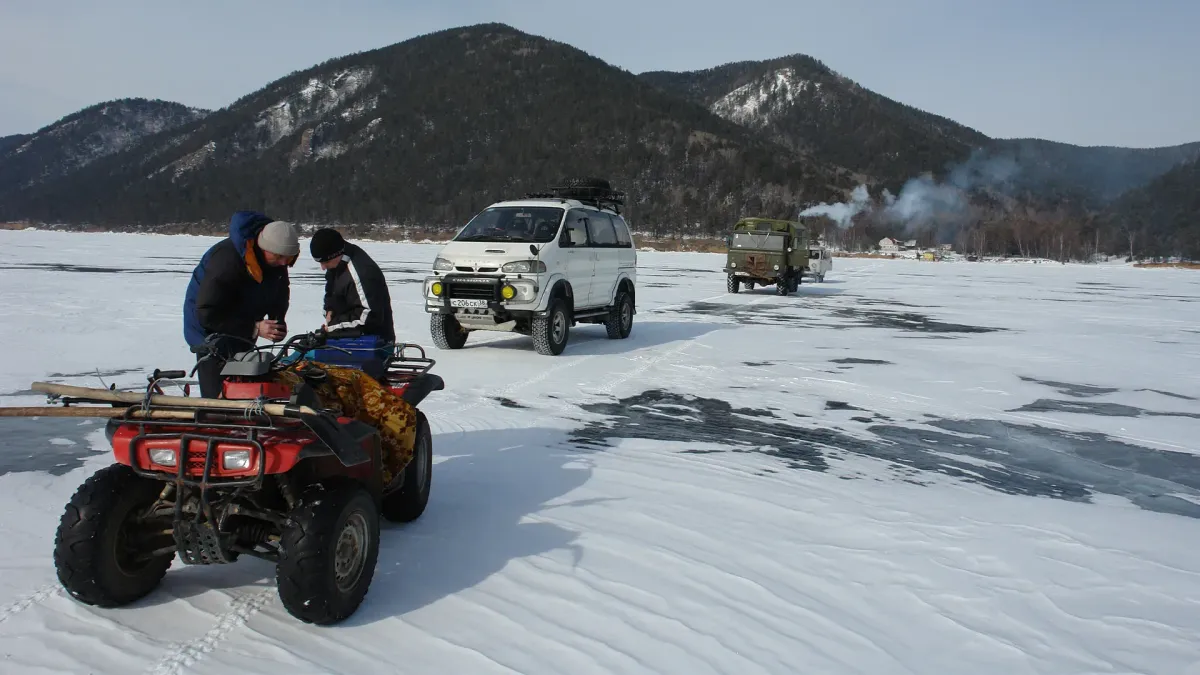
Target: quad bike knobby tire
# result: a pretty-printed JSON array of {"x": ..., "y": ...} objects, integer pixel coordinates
[
  {"x": 101, "y": 550},
  {"x": 328, "y": 552},
  {"x": 619, "y": 322},
  {"x": 447, "y": 332},
  {"x": 408, "y": 502},
  {"x": 732, "y": 284},
  {"x": 550, "y": 332}
]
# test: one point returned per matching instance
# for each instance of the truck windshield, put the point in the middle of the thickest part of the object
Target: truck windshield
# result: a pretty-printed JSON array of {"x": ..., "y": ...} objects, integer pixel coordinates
[
  {"x": 513, "y": 223},
  {"x": 759, "y": 241}
]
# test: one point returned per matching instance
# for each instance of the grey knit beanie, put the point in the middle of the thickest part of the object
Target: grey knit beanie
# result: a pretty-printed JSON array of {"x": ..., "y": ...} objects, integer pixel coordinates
[{"x": 280, "y": 237}]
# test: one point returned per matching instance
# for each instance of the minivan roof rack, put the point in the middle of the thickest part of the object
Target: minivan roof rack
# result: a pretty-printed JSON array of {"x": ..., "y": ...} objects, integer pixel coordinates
[{"x": 593, "y": 192}]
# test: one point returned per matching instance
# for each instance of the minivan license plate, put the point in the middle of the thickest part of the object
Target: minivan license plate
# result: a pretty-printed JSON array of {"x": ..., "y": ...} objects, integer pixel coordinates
[{"x": 467, "y": 302}]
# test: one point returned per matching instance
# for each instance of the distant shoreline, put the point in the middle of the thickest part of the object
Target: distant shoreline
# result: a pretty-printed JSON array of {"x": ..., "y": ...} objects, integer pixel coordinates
[{"x": 643, "y": 242}]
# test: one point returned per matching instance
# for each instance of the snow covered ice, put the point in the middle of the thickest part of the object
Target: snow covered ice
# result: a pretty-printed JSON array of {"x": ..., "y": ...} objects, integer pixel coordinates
[{"x": 914, "y": 467}]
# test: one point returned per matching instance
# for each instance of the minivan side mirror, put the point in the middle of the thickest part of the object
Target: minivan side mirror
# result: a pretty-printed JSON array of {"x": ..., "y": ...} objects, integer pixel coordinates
[{"x": 533, "y": 250}]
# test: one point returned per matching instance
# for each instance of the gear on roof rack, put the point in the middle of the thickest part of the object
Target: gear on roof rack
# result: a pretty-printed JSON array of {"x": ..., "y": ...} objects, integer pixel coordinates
[{"x": 591, "y": 191}]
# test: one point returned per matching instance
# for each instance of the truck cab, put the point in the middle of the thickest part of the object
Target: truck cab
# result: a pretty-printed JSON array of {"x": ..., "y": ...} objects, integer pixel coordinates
[
  {"x": 537, "y": 266},
  {"x": 766, "y": 251}
]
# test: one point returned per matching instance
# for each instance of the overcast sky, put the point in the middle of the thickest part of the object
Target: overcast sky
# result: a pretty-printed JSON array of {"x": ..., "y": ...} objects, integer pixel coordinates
[{"x": 1092, "y": 72}]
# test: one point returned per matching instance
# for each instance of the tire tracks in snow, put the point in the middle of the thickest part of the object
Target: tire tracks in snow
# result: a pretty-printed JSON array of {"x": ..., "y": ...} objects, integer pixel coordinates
[
  {"x": 240, "y": 610},
  {"x": 29, "y": 600}
]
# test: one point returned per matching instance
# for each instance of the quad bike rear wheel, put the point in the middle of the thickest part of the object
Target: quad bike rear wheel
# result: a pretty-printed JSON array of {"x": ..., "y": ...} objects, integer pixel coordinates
[
  {"x": 328, "y": 552},
  {"x": 408, "y": 502},
  {"x": 107, "y": 552}
]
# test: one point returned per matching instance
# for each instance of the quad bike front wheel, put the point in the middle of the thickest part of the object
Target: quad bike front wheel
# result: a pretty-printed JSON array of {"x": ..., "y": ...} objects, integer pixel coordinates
[
  {"x": 328, "y": 553},
  {"x": 408, "y": 501},
  {"x": 109, "y": 551}
]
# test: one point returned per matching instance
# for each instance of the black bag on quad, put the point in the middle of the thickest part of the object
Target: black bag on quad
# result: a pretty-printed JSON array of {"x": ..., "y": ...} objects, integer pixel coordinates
[{"x": 265, "y": 472}]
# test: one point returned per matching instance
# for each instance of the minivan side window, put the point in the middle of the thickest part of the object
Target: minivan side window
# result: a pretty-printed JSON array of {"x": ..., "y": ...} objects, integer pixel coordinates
[
  {"x": 600, "y": 229},
  {"x": 623, "y": 238},
  {"x": 574, "y": 231}
]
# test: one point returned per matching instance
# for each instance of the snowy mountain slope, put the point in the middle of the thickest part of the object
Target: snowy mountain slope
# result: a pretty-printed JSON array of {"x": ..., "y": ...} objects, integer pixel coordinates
[
  {"x": 801, "y": 103},
  {"x": 81, "y": 138},
  {"x": 914, "y": 467},
  {"x": 421, "y": 131},
  {"x": 8, "y": 142}
]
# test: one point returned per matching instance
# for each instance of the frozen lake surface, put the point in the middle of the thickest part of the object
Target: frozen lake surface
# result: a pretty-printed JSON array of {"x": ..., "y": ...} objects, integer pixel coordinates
[{"x": 913, "y": 467}]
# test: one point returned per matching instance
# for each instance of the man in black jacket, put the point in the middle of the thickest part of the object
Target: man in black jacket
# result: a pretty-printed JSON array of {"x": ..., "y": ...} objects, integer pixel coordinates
[
  {"x": 241, "y": 289},
  {"x": 357, "y": 301}
]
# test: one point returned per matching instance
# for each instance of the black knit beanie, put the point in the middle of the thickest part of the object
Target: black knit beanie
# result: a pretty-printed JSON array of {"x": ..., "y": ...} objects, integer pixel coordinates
[{"x": 326, "y": 243}]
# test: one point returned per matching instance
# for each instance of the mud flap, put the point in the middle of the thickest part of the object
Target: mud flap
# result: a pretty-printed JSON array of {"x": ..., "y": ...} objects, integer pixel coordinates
[{"x": 344, "y": 440}]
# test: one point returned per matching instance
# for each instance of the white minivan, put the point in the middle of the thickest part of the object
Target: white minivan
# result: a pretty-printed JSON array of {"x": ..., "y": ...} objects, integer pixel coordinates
[{"x": 537, "y": 266}]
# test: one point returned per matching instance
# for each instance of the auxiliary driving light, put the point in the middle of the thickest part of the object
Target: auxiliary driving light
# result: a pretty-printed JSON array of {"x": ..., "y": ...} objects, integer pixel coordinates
[
  {"x": 162, "y": 456},
  {"x": 234, "y": 460},
  {"x": 508, "y": 292},
  {"x": 436, "y": 288}
]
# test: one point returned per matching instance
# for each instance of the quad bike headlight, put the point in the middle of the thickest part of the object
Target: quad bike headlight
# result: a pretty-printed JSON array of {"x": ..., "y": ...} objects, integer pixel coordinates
[
  {"x": 162, "y": 456},
  {"x": 235, "y": 460}
]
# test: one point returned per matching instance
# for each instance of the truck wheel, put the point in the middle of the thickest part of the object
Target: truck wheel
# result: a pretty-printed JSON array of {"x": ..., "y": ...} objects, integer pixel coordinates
[
  {"x": 408, "y": 502},
  {"x": 783, "y": 285},
  {"x": 794, "y": 281},
  {"x": 550, "y": 332},
  {"x": 821, "y": 278},
  {"x": 732, "y": 284},
  {"x": 619, "y": 322},
  {"x": 447, "y": 332},
  {"x": 102, "y": 555},
  {"x": 327, "y": 553}
]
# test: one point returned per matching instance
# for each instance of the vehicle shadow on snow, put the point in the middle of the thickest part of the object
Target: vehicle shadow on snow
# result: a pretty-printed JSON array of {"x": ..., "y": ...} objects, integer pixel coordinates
[
  {"x": 586, "y": 339},
  {"x": 805, "y": 289},
  {"x": 478, "y": 517},
  {"x": 489, "y": 481}
]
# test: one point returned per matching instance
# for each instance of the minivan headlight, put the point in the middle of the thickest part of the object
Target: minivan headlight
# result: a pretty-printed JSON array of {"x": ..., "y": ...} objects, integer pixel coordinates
[
  {"x": 524, "y": 267},
  {"x": 442, "y": 264}
]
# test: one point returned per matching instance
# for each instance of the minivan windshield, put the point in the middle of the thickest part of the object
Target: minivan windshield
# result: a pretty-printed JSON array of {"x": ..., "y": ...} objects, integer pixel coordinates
[{"x": 533, "y": 224}]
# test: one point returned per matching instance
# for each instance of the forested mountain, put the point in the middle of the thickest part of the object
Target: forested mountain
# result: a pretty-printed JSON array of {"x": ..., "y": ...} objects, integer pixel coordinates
[
  {"x": 800, "y": 103},
  {"x": 430, "y": 130},
  {"x": 82, "y": 137},
  {"x": 7, "y": 142},
  {"x": 1162, "y": 218},
  {"x": 426, "y": 132}
]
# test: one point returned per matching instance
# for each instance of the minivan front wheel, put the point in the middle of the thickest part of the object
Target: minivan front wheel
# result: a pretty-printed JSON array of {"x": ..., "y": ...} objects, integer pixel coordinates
[
  {"x": 619, "y": 322},
  {"x": 550, "y": 332}
]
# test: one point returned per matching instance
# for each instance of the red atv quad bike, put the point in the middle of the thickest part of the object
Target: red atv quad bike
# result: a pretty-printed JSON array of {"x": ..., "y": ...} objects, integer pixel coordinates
[{"x": 264, "y": 472}]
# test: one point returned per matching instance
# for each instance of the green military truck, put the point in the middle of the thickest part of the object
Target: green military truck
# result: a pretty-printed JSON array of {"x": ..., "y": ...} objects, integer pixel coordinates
[{"x": 766, "y": 251}]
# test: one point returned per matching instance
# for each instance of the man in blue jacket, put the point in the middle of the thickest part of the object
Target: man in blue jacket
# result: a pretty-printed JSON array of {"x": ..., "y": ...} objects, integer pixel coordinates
[{"x": 240, "y": 289}]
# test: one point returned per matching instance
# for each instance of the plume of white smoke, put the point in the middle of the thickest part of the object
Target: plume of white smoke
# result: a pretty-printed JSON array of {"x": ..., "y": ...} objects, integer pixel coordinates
[
  {"x": 924, "y": 201},
  {"x": 842, "y": 213}
]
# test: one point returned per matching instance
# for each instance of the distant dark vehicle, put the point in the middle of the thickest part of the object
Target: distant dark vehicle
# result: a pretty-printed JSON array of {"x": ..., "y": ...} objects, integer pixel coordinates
[{"x": 766, "y": 251}]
